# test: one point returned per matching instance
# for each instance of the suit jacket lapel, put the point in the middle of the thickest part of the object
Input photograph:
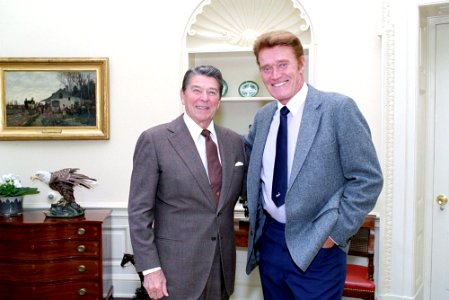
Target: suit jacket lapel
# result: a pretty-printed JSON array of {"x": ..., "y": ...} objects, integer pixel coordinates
[
  {"x": 262, "y": 134},
  {"x": 309, "y": 126},
  {"x": 226, "y": 164},
  {"x": 182, "y": 142},
  {"x": 262, "y": 126}
]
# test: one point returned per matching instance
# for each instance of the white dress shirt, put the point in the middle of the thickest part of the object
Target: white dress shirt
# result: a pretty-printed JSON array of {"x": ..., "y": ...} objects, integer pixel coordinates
[
  {"x": 296, "y": 107},
  {"x": 200, "y": 141}
]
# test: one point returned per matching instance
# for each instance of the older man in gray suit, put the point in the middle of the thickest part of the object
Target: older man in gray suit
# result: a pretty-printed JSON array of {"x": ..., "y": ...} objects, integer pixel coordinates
[
  {"x": 181, "y": 208},
  {"x": 313, "y": 176}
]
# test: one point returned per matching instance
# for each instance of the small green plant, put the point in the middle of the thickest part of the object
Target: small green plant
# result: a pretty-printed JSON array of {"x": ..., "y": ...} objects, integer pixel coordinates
[{"x": 10, "y": 186}]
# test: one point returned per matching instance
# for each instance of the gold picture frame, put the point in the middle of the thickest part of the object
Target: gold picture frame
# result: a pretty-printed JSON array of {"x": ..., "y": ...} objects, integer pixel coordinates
[{"x": 54, "y": 99}]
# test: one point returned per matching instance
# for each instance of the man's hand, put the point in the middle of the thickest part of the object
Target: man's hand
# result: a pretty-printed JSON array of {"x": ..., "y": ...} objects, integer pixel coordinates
[
  {"x": 156, "y": 285},
  {"x": 329, "y": 243}
]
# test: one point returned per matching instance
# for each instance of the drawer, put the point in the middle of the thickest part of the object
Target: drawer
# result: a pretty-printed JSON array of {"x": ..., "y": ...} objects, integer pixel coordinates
[
  {"x": 49, "y": 231},
  {"x": 82, "y": 290},
  {"x": 47, "y": 250},
  {"x": 52, "y": 270}
]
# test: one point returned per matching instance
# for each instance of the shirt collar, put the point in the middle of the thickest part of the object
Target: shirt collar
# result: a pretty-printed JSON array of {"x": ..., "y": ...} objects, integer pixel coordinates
[
  {"x": 195, "y": 130},
  {"x": 297, "y": 101}
]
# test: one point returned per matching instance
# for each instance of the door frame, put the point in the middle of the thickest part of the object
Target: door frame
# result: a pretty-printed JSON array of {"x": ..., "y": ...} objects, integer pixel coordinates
[
  {"x": 404, "y": 266},
  {"x": 431, "y": 23}
]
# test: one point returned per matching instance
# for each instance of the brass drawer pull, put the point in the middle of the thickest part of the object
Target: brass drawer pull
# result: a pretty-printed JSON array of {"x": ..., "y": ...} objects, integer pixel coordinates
[
  {"x": 81, "y": 248},
  {"x": 82, "y": 291},
  {"x": 81, "y": 231},
  {"x": 81, "y": 268}
]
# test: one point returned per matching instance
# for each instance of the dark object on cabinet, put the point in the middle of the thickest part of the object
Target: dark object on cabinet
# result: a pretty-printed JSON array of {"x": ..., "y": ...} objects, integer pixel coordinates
[
  {"x": 360, "y": 279},
  {"x": 51, "y": 258},
  {"x": 141, "y": 293}
]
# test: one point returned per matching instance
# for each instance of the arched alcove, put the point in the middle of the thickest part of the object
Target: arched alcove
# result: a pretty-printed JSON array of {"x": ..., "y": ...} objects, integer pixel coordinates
[{"x": 222, "y": 33}]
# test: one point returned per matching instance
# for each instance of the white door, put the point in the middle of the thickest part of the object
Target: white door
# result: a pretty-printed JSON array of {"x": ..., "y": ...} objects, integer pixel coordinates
[{"x": 439, "y": 37}]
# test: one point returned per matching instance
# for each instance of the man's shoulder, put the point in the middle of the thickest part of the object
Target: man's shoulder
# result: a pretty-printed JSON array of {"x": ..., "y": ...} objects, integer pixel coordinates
[
  {"x": 227, "y": 132},
  {"x": 328, "y": 97},
  {"x": 267, "y": 109},
  {"x": 162, "y": 128},
  {"x": 155, "y": 130}
]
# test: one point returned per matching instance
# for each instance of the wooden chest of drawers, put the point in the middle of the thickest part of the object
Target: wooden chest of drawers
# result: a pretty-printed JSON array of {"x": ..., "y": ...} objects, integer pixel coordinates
[{"x": 54, "y": 258}]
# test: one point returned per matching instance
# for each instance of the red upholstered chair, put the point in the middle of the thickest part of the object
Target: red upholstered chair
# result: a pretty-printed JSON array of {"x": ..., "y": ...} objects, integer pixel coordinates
[{"x": 360, "y": 279}]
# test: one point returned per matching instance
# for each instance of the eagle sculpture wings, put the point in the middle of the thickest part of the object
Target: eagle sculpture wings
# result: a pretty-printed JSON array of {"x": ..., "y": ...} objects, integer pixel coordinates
[{"x": 64, "y": 181}]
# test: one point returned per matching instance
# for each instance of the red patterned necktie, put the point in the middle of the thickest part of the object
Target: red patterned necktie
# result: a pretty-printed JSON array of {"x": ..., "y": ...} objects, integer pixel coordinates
[{"x": 213, "y": 164}]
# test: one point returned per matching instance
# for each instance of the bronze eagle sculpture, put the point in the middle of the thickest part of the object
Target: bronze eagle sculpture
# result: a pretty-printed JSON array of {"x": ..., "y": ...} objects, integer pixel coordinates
[{"x": 64, "y": 181}]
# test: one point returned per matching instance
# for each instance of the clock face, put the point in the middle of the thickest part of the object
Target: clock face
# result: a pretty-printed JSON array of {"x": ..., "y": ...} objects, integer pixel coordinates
[{"x": 248, "y": 89}]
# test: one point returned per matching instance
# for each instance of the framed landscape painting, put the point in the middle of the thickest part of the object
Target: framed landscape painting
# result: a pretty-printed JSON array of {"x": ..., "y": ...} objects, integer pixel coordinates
[{"x": 54, "y": 98}]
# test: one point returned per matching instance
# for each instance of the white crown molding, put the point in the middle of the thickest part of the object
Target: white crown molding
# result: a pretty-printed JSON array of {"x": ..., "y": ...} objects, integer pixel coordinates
[{"x": 237, "y": 23}]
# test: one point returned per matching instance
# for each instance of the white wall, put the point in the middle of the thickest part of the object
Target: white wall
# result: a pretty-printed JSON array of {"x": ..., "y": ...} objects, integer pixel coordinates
[
  {"x": 143, "y": 41},
  {"x": 348, "y": 53}
]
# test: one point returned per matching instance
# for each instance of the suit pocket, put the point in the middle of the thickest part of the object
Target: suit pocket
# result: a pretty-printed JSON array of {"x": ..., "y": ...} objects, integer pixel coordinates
[
  {"x": 237, "y": 174},
  {"x": 325, "y": 141},
  {"x": 331, "y": 206}
]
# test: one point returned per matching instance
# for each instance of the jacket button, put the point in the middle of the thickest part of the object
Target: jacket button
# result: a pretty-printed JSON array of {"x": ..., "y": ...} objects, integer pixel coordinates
[{"x": 213, "y": 238}]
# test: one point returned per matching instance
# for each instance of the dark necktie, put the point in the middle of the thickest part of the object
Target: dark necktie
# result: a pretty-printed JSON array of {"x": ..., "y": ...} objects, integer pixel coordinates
[
  {"x": 213, "y": 164},
  {"x": 280, "y": 174}
]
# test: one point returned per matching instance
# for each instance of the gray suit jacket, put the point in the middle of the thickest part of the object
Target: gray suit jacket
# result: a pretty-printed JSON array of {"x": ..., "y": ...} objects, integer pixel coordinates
[
  {"x": 334, "y": 182},
  {"x": 170, "y": 188}
]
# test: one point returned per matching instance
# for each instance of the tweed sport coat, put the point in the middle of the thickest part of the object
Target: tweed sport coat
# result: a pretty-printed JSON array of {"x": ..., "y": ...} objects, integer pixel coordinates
[
  {"x": 334, "y": 182},
  {"x": 170, "y": 187}
]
